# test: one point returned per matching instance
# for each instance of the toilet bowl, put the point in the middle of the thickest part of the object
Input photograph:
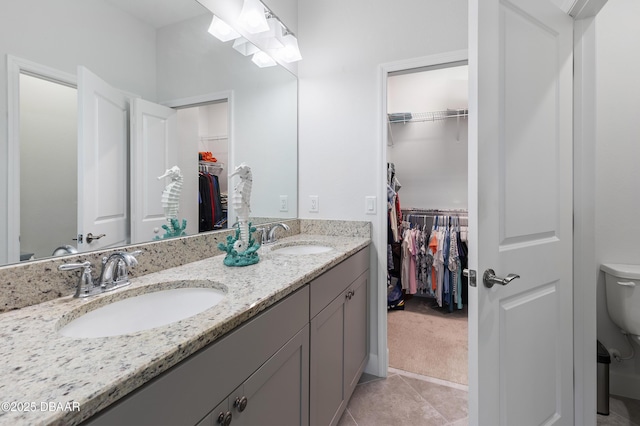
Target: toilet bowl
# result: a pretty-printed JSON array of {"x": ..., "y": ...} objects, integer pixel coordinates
[{"x": 622, "y": 286}]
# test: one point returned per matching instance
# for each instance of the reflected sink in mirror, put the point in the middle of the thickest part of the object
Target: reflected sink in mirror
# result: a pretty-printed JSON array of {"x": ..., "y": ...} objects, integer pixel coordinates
[
  {"x": 302, "y": 249},
  {"x": 143, "y": 312}
]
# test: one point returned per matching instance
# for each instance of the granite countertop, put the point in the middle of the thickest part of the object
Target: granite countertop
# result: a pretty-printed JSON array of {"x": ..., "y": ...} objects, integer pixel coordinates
[{"x": 48, "y": 378}]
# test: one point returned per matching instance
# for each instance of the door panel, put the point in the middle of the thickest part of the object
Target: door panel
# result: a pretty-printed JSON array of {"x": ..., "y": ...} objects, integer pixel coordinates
[
  {"x": 103, "y": 167},
  {"x": 277, "y": 393},
  {"x": 520, "y": 213},
  {"x": 154, "y": 149},
  {"x": 529, "y": 136},
  {"x": 538, "y": 306},
  {"x": 327, "y": 363}
]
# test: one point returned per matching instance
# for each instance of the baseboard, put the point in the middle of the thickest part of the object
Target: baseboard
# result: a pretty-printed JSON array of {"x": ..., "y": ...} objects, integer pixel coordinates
[
  {"x": 373, "y": 368},
  {"x": 627, "y": 385}
]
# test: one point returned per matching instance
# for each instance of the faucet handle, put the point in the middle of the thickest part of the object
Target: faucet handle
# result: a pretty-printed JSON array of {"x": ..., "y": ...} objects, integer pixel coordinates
[
  {"x": 85, "y": 283},
  {"x": 74, "y": 266}
]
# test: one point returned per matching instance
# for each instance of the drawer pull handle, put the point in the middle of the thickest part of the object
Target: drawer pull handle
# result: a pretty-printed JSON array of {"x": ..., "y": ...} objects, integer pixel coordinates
[
  {"x": 225, "y": 418},
  {"x": 627, "y": 283},
  {"x": 241, "y": 403}
]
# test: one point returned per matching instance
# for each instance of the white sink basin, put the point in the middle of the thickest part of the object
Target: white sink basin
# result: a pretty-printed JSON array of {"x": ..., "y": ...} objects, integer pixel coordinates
[
  {"x": 303, "y": 249},
  {"x": 143, "y": 312}
]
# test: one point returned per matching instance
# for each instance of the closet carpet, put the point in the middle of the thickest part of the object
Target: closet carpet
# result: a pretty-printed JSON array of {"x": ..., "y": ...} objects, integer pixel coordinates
[{"x": 428, "y": 340}]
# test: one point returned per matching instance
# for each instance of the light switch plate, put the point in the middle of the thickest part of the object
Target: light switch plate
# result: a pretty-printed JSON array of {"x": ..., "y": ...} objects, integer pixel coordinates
[{"x": 370, "y": 205}]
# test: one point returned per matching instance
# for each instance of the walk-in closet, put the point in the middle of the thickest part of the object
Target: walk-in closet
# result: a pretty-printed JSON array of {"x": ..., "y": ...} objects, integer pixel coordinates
[
  {"x": 206, "y": 126},
  {"x": 427, "y": 221}
]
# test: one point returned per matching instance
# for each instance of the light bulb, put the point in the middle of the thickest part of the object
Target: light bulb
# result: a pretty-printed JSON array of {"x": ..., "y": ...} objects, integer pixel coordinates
[{"x": 221, "y": 30}]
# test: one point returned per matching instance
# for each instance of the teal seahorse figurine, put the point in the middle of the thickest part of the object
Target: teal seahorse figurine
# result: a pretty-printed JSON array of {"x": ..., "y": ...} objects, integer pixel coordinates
[
  {"x": 239, "y": 253},
  {"x": 174, "y": 229},
  {"x": 170, "y": 203}
]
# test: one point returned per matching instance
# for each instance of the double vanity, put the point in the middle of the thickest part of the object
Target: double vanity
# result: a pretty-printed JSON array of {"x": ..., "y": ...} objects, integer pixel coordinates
[{"x": 283, "y": 341}]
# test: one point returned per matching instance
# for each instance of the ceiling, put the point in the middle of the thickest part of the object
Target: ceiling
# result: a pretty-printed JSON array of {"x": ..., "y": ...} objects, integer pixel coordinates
[{"x": 159, "y": 13}]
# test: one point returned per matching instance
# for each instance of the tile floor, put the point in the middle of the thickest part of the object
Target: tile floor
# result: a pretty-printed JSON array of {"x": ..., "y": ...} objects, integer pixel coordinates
[
  {"x": 409, "y": 399},
  {"x": 406, "y": 399},
  {"x": 622, "y": 412}
]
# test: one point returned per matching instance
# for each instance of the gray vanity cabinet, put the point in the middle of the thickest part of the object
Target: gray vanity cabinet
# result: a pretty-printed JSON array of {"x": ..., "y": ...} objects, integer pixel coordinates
[
  {"x": 296, "y": 363},
  {"x": 277, "y": 394},
  {"x": 270, "y": 351},
  {"x": 339, "y": 333}
]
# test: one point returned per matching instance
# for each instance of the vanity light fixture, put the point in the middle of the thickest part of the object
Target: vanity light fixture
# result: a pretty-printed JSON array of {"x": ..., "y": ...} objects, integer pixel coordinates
[
  {"x": 273, "y": 37},
  {"x": 262, "y": 60},
  {"x": 243, "y": 46},
  {"x": 221, "y": 30},
  {"x": 290, "y": 52},
  {"x": 252, "y": 17}
]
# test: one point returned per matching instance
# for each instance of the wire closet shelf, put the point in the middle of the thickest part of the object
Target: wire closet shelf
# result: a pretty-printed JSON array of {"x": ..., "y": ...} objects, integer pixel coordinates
[
  {"x": 418, "y": 117},
  {"x": 421, "y": 117}
]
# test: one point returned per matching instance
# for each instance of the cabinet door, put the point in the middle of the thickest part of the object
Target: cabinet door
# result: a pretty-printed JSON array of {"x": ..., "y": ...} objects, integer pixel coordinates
[
  {"x": 356, "y": 345},
  {"x": 278, "y": 393},
  {"x": 327, "y": 363}
]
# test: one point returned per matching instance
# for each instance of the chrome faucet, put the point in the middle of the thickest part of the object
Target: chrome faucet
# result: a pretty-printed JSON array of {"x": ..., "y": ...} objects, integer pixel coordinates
[
  {"x": 114, "y": 274},
  {"x": 269, "y": 234},
  {"x": 115, "y": 269}
]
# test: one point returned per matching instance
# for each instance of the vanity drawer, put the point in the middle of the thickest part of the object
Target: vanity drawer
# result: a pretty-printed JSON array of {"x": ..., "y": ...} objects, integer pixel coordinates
[
  {"x": 188, "y": 391},
  {"x": 329, "y": 285}
]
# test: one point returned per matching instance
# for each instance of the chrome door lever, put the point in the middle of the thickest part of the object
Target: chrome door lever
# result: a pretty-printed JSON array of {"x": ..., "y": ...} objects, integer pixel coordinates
[
  {"x": 490, "y": 279},
  {"x": 90, "y": 237}
]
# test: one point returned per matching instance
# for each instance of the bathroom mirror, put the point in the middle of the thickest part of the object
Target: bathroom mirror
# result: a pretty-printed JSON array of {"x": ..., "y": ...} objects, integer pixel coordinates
[{"x": 160, "y": 51}]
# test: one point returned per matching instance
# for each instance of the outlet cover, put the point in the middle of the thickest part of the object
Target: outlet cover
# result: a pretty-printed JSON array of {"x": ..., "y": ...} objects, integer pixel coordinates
[
  {"x": 314, "y": 206},
  {"x": 284, "y": 203}
]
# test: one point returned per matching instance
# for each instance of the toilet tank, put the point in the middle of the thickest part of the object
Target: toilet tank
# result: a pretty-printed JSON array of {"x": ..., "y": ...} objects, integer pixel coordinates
[{"x": 622, "y": 284}]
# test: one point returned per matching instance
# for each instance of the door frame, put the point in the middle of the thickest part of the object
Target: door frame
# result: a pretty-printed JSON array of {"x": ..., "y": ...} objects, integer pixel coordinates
[
  {"x": 15, "y": 67},
  {"x": 209, "y": 98},
  {"x": 584, "y": 267},
  {"x": 379, "y": 364}
]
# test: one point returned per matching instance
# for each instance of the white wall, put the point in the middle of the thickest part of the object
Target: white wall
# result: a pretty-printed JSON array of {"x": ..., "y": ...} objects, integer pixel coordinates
[
  {"x": 617, "y": 198},
  {"x": 343, "y": 45},
  {"x": 430, "y": 157},
  {"x": 48, "y": 165},
  {"x": 62, "y": 35}
]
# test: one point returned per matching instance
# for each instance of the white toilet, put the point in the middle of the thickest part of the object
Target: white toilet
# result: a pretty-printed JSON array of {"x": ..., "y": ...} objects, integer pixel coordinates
[{"x": 623, "y": 296}]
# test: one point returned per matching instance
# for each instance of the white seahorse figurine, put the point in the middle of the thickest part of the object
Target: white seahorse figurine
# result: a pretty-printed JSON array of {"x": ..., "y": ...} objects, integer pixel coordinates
[
  {"x": 171, "y": 194},
  {"x": 240, "y": 202}
]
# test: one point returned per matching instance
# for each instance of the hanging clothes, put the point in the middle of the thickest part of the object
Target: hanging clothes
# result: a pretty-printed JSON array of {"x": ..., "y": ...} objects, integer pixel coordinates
[
  {"x": 433, "y": 258},
  {"x": 210, "y": 209}
]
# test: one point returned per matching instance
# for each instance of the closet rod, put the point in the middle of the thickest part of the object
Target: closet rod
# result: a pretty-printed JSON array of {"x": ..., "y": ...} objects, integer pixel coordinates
[{"x": 447, "y": 212}]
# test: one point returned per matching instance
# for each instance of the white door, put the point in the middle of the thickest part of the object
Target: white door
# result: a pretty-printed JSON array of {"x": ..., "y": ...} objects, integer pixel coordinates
[
  {"x": 520, "y": 212},
  {"x": 154, "y": 149},
  {"x": 103, "y": 168}
]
